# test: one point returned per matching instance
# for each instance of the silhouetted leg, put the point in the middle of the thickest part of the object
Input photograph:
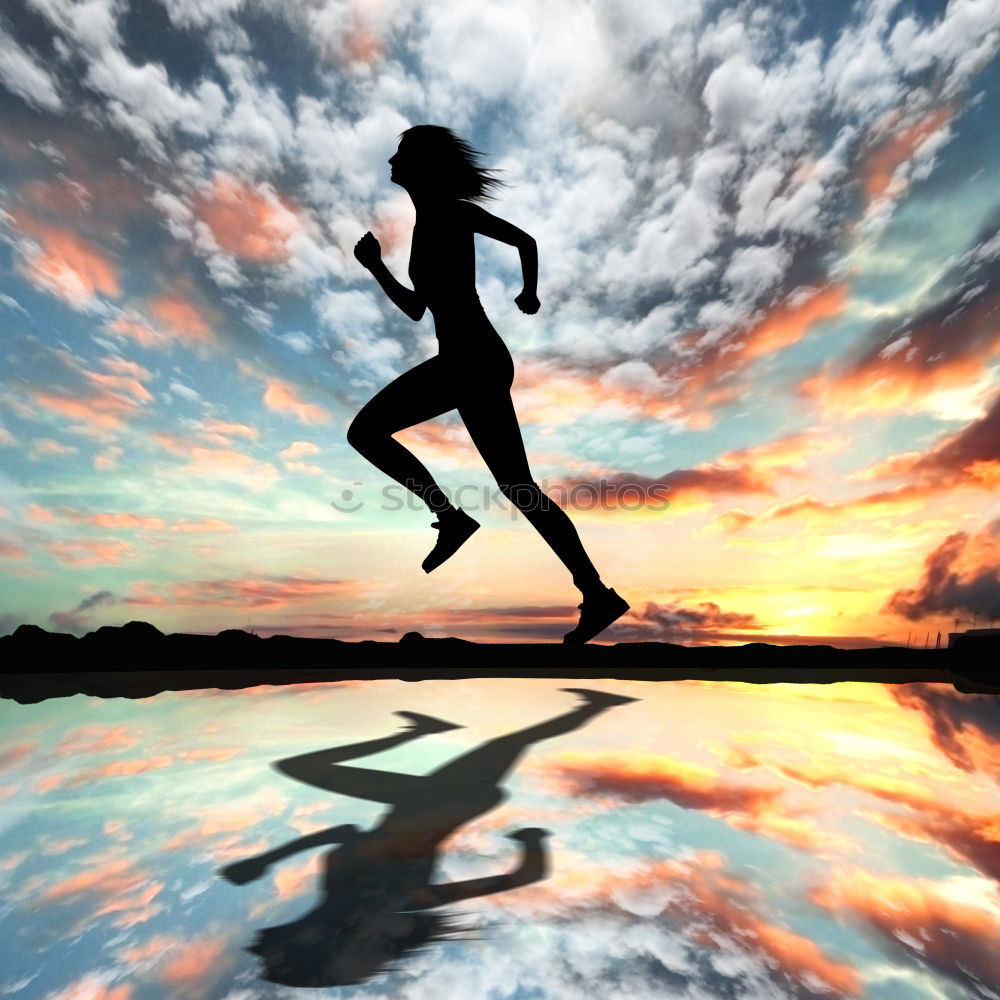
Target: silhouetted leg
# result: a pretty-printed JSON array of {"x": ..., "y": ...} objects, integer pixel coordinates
[
  {"x": 422, "y": 393},
  {"x": 487, "y": 764},
  {"x": 493, "y": 427},
  {"x": 321, "y": 769}
]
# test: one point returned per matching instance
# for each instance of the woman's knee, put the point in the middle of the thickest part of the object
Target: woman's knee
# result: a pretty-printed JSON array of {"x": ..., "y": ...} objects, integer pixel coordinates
[
  {"x": 362, "y": 431},
  {"x": 526, "y": 496}
]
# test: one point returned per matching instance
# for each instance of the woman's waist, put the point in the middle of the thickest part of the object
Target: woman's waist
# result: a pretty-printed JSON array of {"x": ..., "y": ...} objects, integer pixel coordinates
[{"x": 448, "y": 302}]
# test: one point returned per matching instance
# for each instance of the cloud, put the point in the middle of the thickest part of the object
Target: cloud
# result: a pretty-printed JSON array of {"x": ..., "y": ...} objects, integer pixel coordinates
[
  {"x": 249, "y": 222},
  {"x": 913, "y": 366},
  {"x": 260, "y": 592},
  {"x": 964, "y": 727},
  {"x": 217, "y": 463},
  {"x": 96, "y": 738},
  {"x": 968, "y": 457},
  {"x": 190, "y": 963},
  {"x": 292, "y": 455},
  {"x": 84, "y": 552},
  {"x": 282, "y": 397},
  {"x": 968, "y": 836},
  {"x": 927, "y": 921},
  {"x": 880, "y": 169},
  {"x": 73, "y": 620},
  {"x": 642, "y": 777},
  {"x": 23, "y": 75},
  {"x": 182, "y": 317},
  {"x": 748, "y": 470},
  {"x": 61, "y": 261},
  {"x": 714, "y": 911},
  {"x": 9, "y": 549},
  {"x": 961, "y": 576},
  {"x": 689, "y": 624},
  {"x": 209, "y": 525},
  {"x": 93, "y": 986}
]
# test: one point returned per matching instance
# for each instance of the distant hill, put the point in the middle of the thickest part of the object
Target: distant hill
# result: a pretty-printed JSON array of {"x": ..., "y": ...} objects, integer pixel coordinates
[{"x": 136, "y": 660}]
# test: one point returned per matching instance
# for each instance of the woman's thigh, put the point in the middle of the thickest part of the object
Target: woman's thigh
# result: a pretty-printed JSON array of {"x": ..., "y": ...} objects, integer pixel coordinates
[
  {"x": 420, "y": 394},
  {"x": 492, "y": 424}
]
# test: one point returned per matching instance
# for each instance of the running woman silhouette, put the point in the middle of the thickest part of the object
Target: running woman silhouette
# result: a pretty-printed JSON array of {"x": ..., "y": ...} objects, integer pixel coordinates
[
  {"x": 473, "y": 370},
  {"x": 378, "y": 884}
]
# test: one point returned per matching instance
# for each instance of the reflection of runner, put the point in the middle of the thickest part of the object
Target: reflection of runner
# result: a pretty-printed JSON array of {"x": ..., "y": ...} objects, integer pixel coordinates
[
  {"x": 377, "y": 883},
  {"x": 473, "y": 370}
]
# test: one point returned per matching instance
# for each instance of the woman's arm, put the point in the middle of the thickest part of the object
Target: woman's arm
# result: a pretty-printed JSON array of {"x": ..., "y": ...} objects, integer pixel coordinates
[
  {"x": 369, "y": 253},
  {"x": 498, "y": 229},
  {"x": 241, "y": 872},
  {"x": 533, "y": 867}
]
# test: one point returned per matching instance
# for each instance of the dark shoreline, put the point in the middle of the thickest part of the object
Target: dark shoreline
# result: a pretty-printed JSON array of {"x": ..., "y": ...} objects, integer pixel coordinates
[{"x": 138, "y": 661}]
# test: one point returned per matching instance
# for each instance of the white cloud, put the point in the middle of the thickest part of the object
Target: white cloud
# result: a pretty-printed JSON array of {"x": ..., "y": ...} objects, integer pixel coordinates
[{"x": 23, "y": 75}]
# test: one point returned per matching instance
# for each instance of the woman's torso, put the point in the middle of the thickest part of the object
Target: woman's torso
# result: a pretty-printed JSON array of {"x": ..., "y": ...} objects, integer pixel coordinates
[{"x": 443, "y": 271}]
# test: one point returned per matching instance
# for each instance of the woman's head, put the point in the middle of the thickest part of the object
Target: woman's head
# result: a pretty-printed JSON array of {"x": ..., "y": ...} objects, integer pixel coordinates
[{"x": 431, "y": 158}]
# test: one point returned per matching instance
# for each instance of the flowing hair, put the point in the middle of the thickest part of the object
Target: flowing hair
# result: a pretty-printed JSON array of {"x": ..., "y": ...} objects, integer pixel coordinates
[
  {"x": 456, "y": 165},
  {"x": 319, "y": 952}
]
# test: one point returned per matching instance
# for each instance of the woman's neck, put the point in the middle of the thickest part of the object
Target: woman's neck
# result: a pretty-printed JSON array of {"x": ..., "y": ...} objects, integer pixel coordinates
[{"x": 428, "y": 202}]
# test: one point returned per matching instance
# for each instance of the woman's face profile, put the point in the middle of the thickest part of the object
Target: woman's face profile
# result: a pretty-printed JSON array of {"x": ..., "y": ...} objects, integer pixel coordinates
[{"x": 402, "y": 163}]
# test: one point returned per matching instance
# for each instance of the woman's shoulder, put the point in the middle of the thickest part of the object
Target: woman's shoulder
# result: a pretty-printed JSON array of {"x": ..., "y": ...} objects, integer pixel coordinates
[{"x": 468, "y": 211}]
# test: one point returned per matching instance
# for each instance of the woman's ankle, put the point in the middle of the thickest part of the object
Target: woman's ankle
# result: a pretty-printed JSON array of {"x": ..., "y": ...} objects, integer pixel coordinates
[{"x": 591, "y": 588}]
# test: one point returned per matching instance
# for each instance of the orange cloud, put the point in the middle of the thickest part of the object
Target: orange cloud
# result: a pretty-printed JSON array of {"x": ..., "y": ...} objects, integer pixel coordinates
[
  {"x": 222, "y": 432},
  {"x": 282, "y": 397},
  {"x": 292, "y": 880},
  {"x": 137, "y": 330},
  {"x": 82, "y": 552},
  {"x": 247, "y": 221},
  {"x": 92, "y": 987},
  {"x": 925, "y": 920},
  {"x": 99, "y": 411},
  {"x": 947, "y": 347},
  {"x": 209, "y": 525},
  {"x": 964, "y": 727},
  {"x": 122, "y": 520},
  {"x": 193, "y": 962},
  {"x": 66, "y": 264},
  {"x": 47, "y": 446},
  {"x": 97, "y": 739},
  {"x": 898, "y": 500},
  {"x": 693, "y": 377},
  {"x": 35, "y": 512},
  {"x": 961, "y": 576},
  {"x": 969, "y": 837},
  {"x": 216, "y": 462},
  {"x": 968, "y": 457},
  {"x": 747, "y": 470},
  {"x": 11, "y": 756},
  {"x": 644, "y": 777},
  {"x": 12, "y": 550},
  {"x": 113, "y": 769},
  {"x": 110, "y": 879},
  {"x": 879, "y": 167},
  {"x": 182, "y": 318},
  {"x": 267, "y": 592}
]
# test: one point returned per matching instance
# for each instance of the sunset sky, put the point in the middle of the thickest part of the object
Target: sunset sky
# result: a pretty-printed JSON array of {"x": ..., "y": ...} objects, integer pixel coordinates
[
  {"x": 768, "y": 234},
  {"x": 711, "y": 841}
]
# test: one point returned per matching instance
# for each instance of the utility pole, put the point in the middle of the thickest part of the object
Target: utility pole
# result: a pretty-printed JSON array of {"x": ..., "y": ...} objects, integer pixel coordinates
[{"x": 937, "y": 645}]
